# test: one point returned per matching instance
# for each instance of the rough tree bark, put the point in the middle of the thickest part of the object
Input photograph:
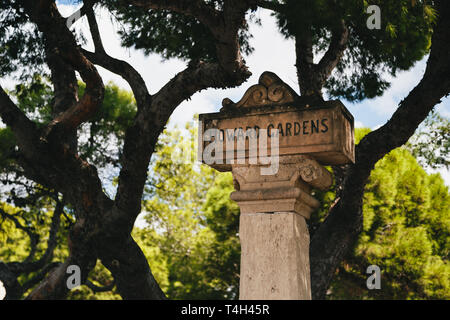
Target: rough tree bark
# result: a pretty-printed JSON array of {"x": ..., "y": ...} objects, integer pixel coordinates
[
  {"x": 311, "y": 76},
  {"x": 9, "y": 272},
  {"x": 334, "y": 238},
  {"x": 103, "y": 226},
  {"x": 338, "y": 233}
]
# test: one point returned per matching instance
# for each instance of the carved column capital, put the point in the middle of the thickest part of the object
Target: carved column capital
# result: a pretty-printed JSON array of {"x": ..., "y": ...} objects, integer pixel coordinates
[{"x": 286, "y": 191}]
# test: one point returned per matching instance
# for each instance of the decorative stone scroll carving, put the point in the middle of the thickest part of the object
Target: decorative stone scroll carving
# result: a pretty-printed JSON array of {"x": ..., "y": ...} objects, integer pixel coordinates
[
  {"x": 270, "y": 90},
  {"x": 288, "y": 190}
]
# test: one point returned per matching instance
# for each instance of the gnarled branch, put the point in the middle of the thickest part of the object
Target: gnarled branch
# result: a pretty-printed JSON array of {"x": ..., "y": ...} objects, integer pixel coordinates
[
  {"x": 120, "y": 67},
  {"x": 334, "y": 53},
  {"x": 97, "y": 289},
  {"x": 47, "y": 18},
  {"x": 341, "y": 228},
  {"x": 34, "y": 237},
  {"x": 203, "y": 12},
  {"x": 272, "y": 5}
]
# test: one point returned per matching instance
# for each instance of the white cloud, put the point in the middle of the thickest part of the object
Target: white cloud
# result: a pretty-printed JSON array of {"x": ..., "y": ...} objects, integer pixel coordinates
[
  {"x": 359, "y": 124},
  {"x": 272, "y": 53},
  {"x": 401, "y": 85},
  {"x": 2, "y": 291}
]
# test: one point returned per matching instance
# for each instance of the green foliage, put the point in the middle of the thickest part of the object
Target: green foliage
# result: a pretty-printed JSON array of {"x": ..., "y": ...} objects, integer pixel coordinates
[
  {"x": 31, "y": 204},
  {"x": 194, "y": 245},
  {"x": 192, "y": 225},
  {"x": 105, "y": 132},
  {"x": 170, "y": 34},
  {"x": 431, "y": 143},
  {"x": 406, "y": 233},
  {"x": 34, "y": 98},
  {"x": 21, "y": 44},
  {"x": 404, "y": 38},
  {"x": 110, "y": 123}
]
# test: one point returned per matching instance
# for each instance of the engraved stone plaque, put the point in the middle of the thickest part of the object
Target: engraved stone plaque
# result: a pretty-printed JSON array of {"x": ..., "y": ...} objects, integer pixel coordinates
[{"x": 324, "y": 130}]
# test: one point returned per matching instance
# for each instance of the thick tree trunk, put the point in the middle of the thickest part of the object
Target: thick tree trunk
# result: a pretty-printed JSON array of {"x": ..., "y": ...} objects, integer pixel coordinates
[
  {"x": 12, "y": 286},
  {"x": 308, "y": 81},
  {"x": 311, "y": 76},
  {"x": 339, "y": 232},
  {"x": 103, "y": 226},
  {"x": 130, "y": 270}
]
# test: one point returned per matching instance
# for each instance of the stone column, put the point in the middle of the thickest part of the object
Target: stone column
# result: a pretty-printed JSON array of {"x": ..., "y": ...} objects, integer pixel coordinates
[{"x": 273, "y": 231}]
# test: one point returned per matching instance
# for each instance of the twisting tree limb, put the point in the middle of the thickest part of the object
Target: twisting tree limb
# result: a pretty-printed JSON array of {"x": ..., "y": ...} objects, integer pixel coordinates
[
  {"x": 30, "y": 266},
  {"x": 272, "y": 5},
  {"x": 47, "y": 18},
  {"x": 339, "y": 231},
  {"x": 39, "y": 276},
  {"x": 97, "y": 289},
  {"x": 333, "y": 55},
  {"x": 120, "y": 67},
  {"x": 311, "y": 76},
  {"x": 205, "y": 13},
  {"x": 34, "y": 237}
]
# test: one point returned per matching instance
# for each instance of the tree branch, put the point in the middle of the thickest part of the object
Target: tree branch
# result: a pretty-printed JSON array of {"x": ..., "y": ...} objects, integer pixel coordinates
[
  {"x": 65, "y": 89},
  {"x": 34, "y": 238},
  {"x": 93, "y": 27},
  {"x": 306, "y": 69},
  {"x": 313, "y": 76},
  {"x": 39, "y": 276},
  {"x": 126, "y": 71},
  {"x": 341, "y": 228},
  {"x": 130, "y": 269},
  {"x": 271, "y": 5},
  {"x": 51, "y": 242},
  {"x": 122, "y": 68},
  {"x": 142, "y": 136},
  {"x": 97, "y": 289},
  {"x": 204, "y": 13},
  {"x": 334, "y": 53},
  {"x": 23, "y": 128},
  {"x": 46, "y": 16}
]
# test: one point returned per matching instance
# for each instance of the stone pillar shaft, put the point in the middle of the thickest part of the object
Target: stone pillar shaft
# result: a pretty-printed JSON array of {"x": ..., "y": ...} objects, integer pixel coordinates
[
  {"x": 275, "y": 257},
  {"x": 273, "y": 231}
]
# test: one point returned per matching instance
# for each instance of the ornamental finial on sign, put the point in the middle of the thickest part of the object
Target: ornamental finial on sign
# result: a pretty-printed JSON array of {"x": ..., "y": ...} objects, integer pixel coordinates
[{"x": 270, "y": 90}]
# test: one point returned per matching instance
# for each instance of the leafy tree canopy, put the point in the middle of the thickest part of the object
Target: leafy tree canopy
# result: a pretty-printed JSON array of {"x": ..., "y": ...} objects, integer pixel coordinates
[
  {"x": 404, "y": 38},
  {"x": 406, "y": 230},
  {"x": 27, "y": 211},
  {"x": 169, "y": 34},
  {"x": 431, "y": 143}
]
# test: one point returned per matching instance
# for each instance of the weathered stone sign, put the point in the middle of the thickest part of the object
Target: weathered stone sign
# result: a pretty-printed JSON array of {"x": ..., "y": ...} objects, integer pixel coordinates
[
  {"x": 272, "y": 122},
  {"x": 323, "y": 131}
]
